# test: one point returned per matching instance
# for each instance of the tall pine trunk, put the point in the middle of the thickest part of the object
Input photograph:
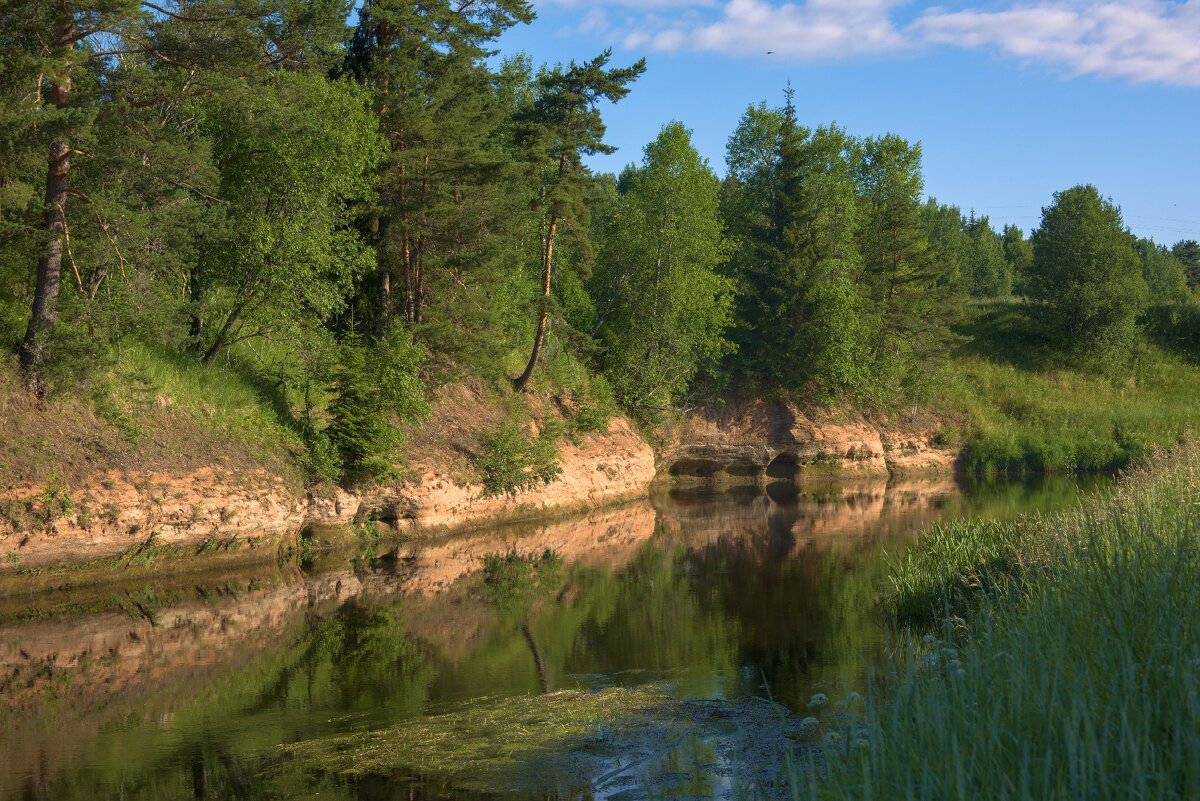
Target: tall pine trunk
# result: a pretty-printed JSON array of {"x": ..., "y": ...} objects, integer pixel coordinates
[
  {"x": 540, "y": 336},
  {"x": 547, "y": 268},
  {"x": 35, "y": 349}
]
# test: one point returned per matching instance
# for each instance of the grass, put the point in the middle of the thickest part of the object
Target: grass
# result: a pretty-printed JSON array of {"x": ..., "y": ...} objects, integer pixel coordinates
[
  {"x": 1020, "y": 410},
  {"x": 235, "y": 402},
  {"x": 1066, "y": 665}
]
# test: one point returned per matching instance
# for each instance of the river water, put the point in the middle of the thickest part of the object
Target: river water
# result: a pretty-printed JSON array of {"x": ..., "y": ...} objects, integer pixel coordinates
[{"x": 667, "y": 648}]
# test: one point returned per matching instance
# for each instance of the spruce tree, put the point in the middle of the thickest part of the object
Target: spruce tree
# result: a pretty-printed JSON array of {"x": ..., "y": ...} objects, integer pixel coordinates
[{"x": 912, "y": 292}]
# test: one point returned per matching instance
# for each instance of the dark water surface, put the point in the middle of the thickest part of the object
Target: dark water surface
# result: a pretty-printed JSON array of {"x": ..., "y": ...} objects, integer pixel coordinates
[{"x": 617, "y": 655}]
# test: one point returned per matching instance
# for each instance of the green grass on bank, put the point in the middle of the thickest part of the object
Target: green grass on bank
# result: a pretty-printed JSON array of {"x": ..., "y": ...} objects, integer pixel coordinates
[
  {"x": 1071, "y": 667},
  {"x": 1018, "y": 410}
]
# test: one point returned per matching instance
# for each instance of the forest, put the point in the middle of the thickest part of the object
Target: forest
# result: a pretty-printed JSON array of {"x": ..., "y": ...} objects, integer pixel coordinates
[{"x": 347, "y": 205}]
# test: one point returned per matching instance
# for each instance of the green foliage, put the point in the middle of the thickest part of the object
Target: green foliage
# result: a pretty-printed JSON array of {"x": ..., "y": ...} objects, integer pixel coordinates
[
  {"x": 1176, "y": 327},
  {"x": 376, "y": 384},
  {"x": 915, "y": 296},
  {"x": 1188, "y": 253},
  {"x": 663, "y": 309},
  {"x": 1018, "y": 252},
  {"x": 1087, "y": 278},
  {"x": 846, "y": 282},
  {"x": 1165, "y": 276},
  {"x": 593, "y": 408},
  {"x": 450, "y": 163},
  {"x": 284, "y": 255},
  {"x": 949, "y": 244},
  {"x": 988, "y": 271},
  {"x": 1021, "y": 411},
  {"x": 511, "y": 580},
  {"x": 53, "y": 502},
  {"x": 511, "y": 462}
]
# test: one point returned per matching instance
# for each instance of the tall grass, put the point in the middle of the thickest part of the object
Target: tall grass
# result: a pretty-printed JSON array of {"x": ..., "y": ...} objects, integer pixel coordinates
[{"x": 1070, "y": 668}]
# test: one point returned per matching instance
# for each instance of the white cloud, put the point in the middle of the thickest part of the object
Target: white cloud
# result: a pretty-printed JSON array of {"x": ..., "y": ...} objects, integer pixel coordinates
[
  {"x": 817, "y": 29},
  {"x": 1135, "y": 40}
]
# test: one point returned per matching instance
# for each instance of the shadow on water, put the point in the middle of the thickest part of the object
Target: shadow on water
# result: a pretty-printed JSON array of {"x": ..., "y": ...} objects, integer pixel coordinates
[{"x": 568, "y": 654}]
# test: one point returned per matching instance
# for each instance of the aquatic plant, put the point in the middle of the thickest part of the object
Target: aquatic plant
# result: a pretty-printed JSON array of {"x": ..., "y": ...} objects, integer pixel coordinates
[{"x": 640, "y": 740}]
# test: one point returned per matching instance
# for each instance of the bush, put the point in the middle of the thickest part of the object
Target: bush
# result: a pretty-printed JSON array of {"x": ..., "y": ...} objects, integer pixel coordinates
[
  {"x": 593, "y": 411},
  {"x": 511, "y": 462},
  {"x": 374, "y": 383}
]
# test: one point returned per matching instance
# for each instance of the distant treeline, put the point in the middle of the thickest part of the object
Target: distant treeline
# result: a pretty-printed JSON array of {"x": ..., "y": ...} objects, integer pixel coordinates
[{"x": 357, "y": 205}]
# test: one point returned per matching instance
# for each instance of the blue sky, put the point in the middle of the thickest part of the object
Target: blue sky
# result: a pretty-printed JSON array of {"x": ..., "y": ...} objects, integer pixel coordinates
[{"x": 1011, "y": 100}]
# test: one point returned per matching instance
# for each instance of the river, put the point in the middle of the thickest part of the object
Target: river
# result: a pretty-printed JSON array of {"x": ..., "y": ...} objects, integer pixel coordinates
[{"x": 675, "y": 647}]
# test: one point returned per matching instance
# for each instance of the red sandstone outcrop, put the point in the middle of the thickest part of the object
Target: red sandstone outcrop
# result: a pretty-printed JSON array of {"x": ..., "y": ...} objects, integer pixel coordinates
[{"x": 129, "y": 513}]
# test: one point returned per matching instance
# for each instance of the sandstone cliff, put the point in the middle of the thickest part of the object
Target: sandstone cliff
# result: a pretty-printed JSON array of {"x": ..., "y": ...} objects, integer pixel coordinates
[
  {"x": 127, "y": 516},
  {"x": 771, "y": 440}
]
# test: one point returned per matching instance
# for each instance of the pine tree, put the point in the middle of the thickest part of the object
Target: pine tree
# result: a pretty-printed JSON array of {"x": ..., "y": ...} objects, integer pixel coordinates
[
  {"x": 558, "y": 129},
  {"x": 425, "y": 65}
]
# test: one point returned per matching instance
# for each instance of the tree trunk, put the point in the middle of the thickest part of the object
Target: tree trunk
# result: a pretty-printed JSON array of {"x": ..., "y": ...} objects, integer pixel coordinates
[
  {"x": 547, "y": 265},
  {"x": 540, "y": 336},
  {"x": 379, "y": 230},
  {"x": 419, "y": 280},
  {"x": 35, "y": 348},
  {"x": 222, "y": 339},
  {"x": 409, "y": 286},
  {"x": 196, "y": 301}
]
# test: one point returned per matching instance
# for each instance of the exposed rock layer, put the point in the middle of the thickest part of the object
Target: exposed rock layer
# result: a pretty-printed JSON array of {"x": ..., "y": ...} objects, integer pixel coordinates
[
  {"x": 776, "y": 440},
  {"x": 140, "y": 516}
]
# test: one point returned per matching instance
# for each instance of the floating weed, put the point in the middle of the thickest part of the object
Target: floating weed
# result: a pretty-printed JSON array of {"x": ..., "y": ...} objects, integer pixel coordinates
[{"x": 641, "y": 741}]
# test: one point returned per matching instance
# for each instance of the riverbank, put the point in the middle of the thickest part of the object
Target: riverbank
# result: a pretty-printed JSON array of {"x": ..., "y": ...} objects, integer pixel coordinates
[
  {"x": 1069, "y": 670},
  {"x": 170, "y": 459},
  {"x": 133, "y": 684}
]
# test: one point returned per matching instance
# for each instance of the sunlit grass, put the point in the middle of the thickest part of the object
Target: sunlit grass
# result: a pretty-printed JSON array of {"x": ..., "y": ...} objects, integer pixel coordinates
[
  {"x": 238, "y": 406},
  {"x": 1020, "y": 410}
]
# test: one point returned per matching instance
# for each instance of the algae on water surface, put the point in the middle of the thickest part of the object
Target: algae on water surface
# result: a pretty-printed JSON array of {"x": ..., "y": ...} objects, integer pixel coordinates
[{"x": 607, "y": 742}]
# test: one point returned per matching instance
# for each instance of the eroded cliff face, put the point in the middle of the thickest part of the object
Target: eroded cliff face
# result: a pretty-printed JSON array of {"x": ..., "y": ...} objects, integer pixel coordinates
[
  {"x": 135, "y": 517},
  {"x": 601, "y": 469},
  {"x": 140, "y": 515},
  {"x": 770, "y": 440}
]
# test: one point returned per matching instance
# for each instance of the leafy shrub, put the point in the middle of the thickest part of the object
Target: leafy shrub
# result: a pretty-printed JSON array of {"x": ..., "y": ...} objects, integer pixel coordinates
[
  {"x": 511, "y": 462},
  {"x": 1176, "y": 326},
  {"x": 54, "y": 501},
  {"x": 321, "y": 457}
]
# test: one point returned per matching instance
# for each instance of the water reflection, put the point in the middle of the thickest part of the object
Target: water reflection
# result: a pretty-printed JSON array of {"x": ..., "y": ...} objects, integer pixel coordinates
[{"x": 186, "y": 689}]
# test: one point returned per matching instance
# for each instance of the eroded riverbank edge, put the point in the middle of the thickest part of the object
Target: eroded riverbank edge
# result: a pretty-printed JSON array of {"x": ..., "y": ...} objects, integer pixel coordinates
[{"x": 118, "y": 521}]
